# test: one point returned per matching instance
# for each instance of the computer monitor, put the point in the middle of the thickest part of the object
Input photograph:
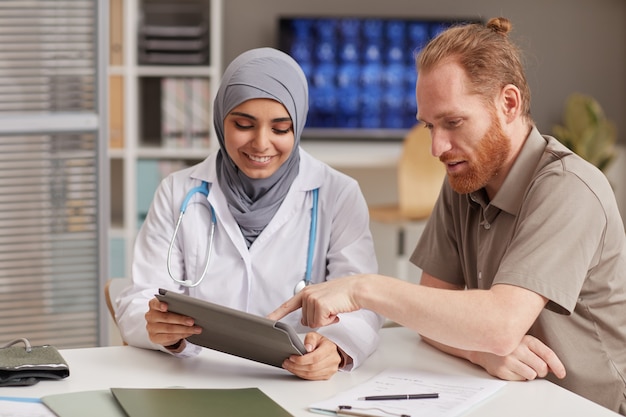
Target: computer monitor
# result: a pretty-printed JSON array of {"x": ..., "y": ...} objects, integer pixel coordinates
[{"x": 361, "y": 71}]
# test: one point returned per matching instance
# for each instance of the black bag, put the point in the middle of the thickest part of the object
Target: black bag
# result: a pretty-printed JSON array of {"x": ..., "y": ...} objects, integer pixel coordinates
[{"x": 28, "y": 365}]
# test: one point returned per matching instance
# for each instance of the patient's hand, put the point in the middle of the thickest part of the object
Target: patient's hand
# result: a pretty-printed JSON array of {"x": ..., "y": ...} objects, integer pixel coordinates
[
  {"x": 165, "y": 328},
  {"x": 532, "y": 359},
  {"x": 320, "y": 363}
]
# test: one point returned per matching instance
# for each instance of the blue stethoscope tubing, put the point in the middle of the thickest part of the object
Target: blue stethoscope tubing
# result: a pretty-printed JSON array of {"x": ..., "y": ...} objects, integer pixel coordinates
[
  {"x": 312, "y": 234},
  {"x": 203, "y": 189},
  {"x": 309, "y": 258}
]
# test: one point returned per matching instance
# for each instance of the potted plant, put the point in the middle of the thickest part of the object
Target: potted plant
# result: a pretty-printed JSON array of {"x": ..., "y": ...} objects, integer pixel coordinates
[{"x": 587, "y": 131}]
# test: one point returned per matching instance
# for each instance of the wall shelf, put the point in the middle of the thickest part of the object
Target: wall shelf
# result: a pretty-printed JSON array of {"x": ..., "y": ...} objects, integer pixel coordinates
[{"x": 137, "y": 151}]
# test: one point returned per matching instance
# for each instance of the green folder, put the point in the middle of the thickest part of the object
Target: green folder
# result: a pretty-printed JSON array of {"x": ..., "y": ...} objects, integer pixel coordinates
[
  {"x": 189, "y": 402},
  {"x": 166, "y": 402}
]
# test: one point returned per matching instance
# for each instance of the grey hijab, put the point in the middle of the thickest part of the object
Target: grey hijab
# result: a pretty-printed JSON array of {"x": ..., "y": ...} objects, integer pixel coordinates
[{"x": 259, "y": 73}]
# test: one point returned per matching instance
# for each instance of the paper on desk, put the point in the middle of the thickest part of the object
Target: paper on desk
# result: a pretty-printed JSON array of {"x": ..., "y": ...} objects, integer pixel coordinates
[
  {"x": 23, "y": 407},
  {"x": 456, "y": 394}
]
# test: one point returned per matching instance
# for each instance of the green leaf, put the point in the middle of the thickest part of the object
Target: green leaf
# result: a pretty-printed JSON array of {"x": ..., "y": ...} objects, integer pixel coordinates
[{"x": 587, "y": 131}]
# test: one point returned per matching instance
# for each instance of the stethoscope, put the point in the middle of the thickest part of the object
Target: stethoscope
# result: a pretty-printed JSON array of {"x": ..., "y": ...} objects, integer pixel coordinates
[{"x": 204, "y": 190}]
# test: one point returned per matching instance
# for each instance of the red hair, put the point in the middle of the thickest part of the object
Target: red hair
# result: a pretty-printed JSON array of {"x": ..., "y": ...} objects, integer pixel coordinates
[{"x": 490, "y": 60}]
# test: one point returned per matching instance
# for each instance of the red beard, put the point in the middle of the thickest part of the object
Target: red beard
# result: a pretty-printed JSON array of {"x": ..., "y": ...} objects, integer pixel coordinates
[{"x": 485, "y": 163}]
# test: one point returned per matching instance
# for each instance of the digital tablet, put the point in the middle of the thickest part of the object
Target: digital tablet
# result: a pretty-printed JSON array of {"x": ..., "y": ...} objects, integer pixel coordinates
[{"x": 236, "y": 332}]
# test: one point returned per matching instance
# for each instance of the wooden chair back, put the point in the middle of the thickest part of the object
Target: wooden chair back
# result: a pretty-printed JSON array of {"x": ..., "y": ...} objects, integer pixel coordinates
[
  {"x": 112, "y": 288},
  {"x": 420, "y": 175}
]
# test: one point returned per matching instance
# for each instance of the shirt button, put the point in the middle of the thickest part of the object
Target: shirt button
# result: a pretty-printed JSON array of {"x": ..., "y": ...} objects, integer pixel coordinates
[{"x": 487, "y": 226}]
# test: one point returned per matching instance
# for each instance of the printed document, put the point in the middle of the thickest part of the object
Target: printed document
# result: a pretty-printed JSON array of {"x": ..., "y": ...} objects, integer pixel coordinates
[{"x": 457, "y": 394}]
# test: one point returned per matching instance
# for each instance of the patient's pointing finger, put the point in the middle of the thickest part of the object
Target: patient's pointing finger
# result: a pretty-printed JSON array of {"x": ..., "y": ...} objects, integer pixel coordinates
[{"x": 287, "y": 307}]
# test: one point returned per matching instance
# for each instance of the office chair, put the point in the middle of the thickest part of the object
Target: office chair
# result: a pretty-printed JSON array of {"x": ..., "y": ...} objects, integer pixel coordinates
[
  {"x": 419, "y": 180},
  {"x": 112, "y": 288}
]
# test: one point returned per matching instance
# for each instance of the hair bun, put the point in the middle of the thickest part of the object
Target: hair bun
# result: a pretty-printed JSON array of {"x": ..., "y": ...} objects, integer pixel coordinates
[{"x": 500, "y": 25}]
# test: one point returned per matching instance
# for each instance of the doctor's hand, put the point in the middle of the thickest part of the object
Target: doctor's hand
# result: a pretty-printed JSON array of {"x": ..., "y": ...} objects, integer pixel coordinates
[
  {"x": 321, "y": 303},
  {"x": 320, "y": 363},
  {"x": 165, "y": 328},
  {"x": 531, "y": 359}
]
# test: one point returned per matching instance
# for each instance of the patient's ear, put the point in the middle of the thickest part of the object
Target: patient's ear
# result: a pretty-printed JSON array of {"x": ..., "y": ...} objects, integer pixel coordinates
[{"x": 510, "y": 102}]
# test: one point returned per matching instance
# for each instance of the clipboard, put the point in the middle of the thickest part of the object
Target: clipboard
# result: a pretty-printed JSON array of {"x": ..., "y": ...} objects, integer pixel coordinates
[{"x": 236, "y": 332}]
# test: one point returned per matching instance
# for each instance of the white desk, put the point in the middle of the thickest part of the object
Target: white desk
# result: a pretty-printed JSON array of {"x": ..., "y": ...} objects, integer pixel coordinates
[{"x": 124, "y": 366}]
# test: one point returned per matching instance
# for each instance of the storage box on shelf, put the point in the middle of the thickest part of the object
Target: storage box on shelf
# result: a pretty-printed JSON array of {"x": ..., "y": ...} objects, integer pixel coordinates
[
  {"x": 165, "y": 64},
  {"x": 173, "y": 32}
]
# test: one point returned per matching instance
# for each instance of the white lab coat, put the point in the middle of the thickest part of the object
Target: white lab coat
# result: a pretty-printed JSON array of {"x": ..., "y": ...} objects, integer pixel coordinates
[{"x": 260, "y": 279}]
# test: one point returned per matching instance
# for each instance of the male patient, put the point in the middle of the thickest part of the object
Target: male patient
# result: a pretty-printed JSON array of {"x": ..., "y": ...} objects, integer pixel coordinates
[{"x": 527, "y": 229}]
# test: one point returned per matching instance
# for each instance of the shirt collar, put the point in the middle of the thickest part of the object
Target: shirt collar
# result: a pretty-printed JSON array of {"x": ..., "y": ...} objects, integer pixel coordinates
[{"x": 511, "y": 195}]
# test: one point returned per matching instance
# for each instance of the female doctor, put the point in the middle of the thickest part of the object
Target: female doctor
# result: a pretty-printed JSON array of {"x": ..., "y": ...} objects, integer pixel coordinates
[{"x": 271, "y": 219}]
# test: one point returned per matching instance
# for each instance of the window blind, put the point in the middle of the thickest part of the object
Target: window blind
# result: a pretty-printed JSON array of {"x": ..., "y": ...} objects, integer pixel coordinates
[{"x": 50, "y": 162}]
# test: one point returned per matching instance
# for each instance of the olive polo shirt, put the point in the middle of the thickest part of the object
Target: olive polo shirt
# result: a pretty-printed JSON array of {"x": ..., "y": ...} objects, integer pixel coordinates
[{"x": 553, "y": 228}]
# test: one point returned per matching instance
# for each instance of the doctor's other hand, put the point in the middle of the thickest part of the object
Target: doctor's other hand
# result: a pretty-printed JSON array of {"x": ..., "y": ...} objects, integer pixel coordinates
[
  {"x": 165, "y": 328},
  {"x": 321, "y": 303},
  {"x": 320, "y": 363},
  {"x": 531, "y": 359}
]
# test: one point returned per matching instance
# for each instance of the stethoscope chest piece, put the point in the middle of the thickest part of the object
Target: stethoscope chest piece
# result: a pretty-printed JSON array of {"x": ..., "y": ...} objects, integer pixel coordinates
[{"x": 299, "y": 286}]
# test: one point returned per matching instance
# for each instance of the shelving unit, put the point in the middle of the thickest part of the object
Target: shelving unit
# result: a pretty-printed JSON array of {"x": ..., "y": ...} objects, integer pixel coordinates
[{"x": 150, "y": 42}]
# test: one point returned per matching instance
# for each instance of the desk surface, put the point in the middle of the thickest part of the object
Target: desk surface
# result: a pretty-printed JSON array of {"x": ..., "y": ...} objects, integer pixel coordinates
[{"x": 125, "y": 366}]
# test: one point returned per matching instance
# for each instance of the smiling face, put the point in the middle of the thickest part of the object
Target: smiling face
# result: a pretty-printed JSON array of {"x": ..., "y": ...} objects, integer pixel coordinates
[
  {"x": 466, "y": 132},
  {"x": 258, "y": 136}
]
